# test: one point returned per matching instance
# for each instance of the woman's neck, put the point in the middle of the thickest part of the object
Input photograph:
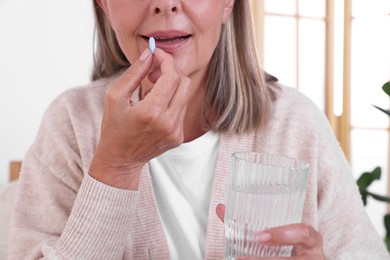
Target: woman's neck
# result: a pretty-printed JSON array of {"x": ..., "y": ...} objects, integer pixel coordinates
[{"x": 194, "y": 122}]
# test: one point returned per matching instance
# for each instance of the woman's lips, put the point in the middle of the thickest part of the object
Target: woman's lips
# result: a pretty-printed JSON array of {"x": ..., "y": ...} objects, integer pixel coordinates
[{"x": 171, "y": 45}]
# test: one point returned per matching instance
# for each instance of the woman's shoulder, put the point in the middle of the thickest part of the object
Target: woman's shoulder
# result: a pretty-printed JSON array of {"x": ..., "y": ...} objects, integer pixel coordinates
[
  {"x": 296, "y": 127},
  {"x": 292, "y": 103},
  {"x": 92, "y": 92},
  {"x": 289, "y": 96},
  {"x": 88, "y": 98},
  {"x": 76, "y": 106},
  {"x": 72, "y": 121},
  {"x": 294, "y": 113}
]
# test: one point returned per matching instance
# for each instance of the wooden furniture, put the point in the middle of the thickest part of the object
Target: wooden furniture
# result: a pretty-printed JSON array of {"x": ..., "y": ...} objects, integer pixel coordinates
[{"x": 14, "y": 169}]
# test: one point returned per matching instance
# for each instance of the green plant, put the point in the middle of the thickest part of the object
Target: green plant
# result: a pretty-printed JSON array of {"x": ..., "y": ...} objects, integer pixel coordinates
[{"x": 367, "y": 178}]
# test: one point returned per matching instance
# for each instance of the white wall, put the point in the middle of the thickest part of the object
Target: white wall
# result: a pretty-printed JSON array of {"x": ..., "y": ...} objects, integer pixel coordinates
[{"x": 45, "y": 48}]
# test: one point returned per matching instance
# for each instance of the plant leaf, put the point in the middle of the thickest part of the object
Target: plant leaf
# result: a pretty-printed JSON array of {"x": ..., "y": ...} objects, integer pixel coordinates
[
  {"x": 387, "y": 112},
  {"x": 387, "y": 242},
  {"x": 379, "y": 197},
  {"x": 387, "y": 226},
  {"x": 387, "y": 223},
  {"x": 367, "y": 178},
  {"x": 377, "y": 172},
  {"x": 364, "y": 197},
  {"x": 386, "y": 88}
]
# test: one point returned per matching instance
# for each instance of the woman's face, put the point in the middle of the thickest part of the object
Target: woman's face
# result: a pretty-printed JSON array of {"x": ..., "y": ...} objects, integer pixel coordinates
[{"x": 187, "y": 29}]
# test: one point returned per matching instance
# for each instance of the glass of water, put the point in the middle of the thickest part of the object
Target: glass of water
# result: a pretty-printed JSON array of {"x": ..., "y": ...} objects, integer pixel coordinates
[{"x": 265, "y": 190}]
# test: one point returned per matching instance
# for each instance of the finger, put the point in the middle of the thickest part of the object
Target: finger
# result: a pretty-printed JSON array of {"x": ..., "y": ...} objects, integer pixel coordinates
[
  {"x": 166, "y": 85},
  {"x": 295, "y": 234},
  {"x": 220, "y": 210},
  {"x": 165, "y": 60},
  {"x": 130, "y": 80}
]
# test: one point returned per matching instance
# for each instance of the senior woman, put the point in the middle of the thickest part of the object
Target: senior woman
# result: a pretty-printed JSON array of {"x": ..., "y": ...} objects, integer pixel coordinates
[{"x": 135, "y": 165}]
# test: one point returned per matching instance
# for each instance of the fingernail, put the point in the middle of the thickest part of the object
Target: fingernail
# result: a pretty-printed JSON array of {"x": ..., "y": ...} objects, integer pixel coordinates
[
  {"x": 144, "y": 55},
  {"x": 264, "y": 237}
]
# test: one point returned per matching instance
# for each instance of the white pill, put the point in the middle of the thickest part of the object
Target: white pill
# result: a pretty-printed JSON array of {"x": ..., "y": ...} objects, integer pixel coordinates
[{"x": 152, "y": 44}]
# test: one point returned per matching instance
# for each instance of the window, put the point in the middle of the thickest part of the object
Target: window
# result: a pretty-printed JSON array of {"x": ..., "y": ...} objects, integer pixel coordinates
[{"x": 293, "y": 45}]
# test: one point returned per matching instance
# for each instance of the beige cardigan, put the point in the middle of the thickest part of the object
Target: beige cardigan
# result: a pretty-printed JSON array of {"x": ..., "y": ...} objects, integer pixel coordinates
[{"x": 62, "y": 213}]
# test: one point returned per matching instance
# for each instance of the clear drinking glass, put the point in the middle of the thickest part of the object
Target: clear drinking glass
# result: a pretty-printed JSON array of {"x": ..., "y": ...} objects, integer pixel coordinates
[{"x": 265, "y": 190}]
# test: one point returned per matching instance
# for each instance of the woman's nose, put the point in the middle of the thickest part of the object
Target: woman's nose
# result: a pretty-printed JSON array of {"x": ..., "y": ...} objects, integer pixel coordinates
[{"x": 165, "y": 7}]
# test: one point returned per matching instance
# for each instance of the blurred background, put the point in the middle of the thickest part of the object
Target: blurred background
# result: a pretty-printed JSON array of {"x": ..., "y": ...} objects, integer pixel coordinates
[{"x": 335, "y": 52}]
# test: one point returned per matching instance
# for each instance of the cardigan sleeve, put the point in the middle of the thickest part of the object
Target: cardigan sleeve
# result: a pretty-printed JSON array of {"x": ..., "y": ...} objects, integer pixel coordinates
[
  {"x": 342, "y": 220},
  {"x": 96, "y": 228},
  {"x": 60, "y": 211}
]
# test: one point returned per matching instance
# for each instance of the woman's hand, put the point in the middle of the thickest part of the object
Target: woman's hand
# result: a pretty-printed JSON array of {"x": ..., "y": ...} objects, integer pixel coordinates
[
  {"x": 133, "y": 134},
  {"x": 306, "y": 240}
]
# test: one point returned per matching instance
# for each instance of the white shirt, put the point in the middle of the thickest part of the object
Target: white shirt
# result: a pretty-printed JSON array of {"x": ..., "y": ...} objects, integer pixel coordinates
[{"x": 182, "y": 180}]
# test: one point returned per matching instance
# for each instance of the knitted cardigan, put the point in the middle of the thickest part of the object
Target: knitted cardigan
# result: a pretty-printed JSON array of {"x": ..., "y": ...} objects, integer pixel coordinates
[{"x": 63, "y": 213}]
